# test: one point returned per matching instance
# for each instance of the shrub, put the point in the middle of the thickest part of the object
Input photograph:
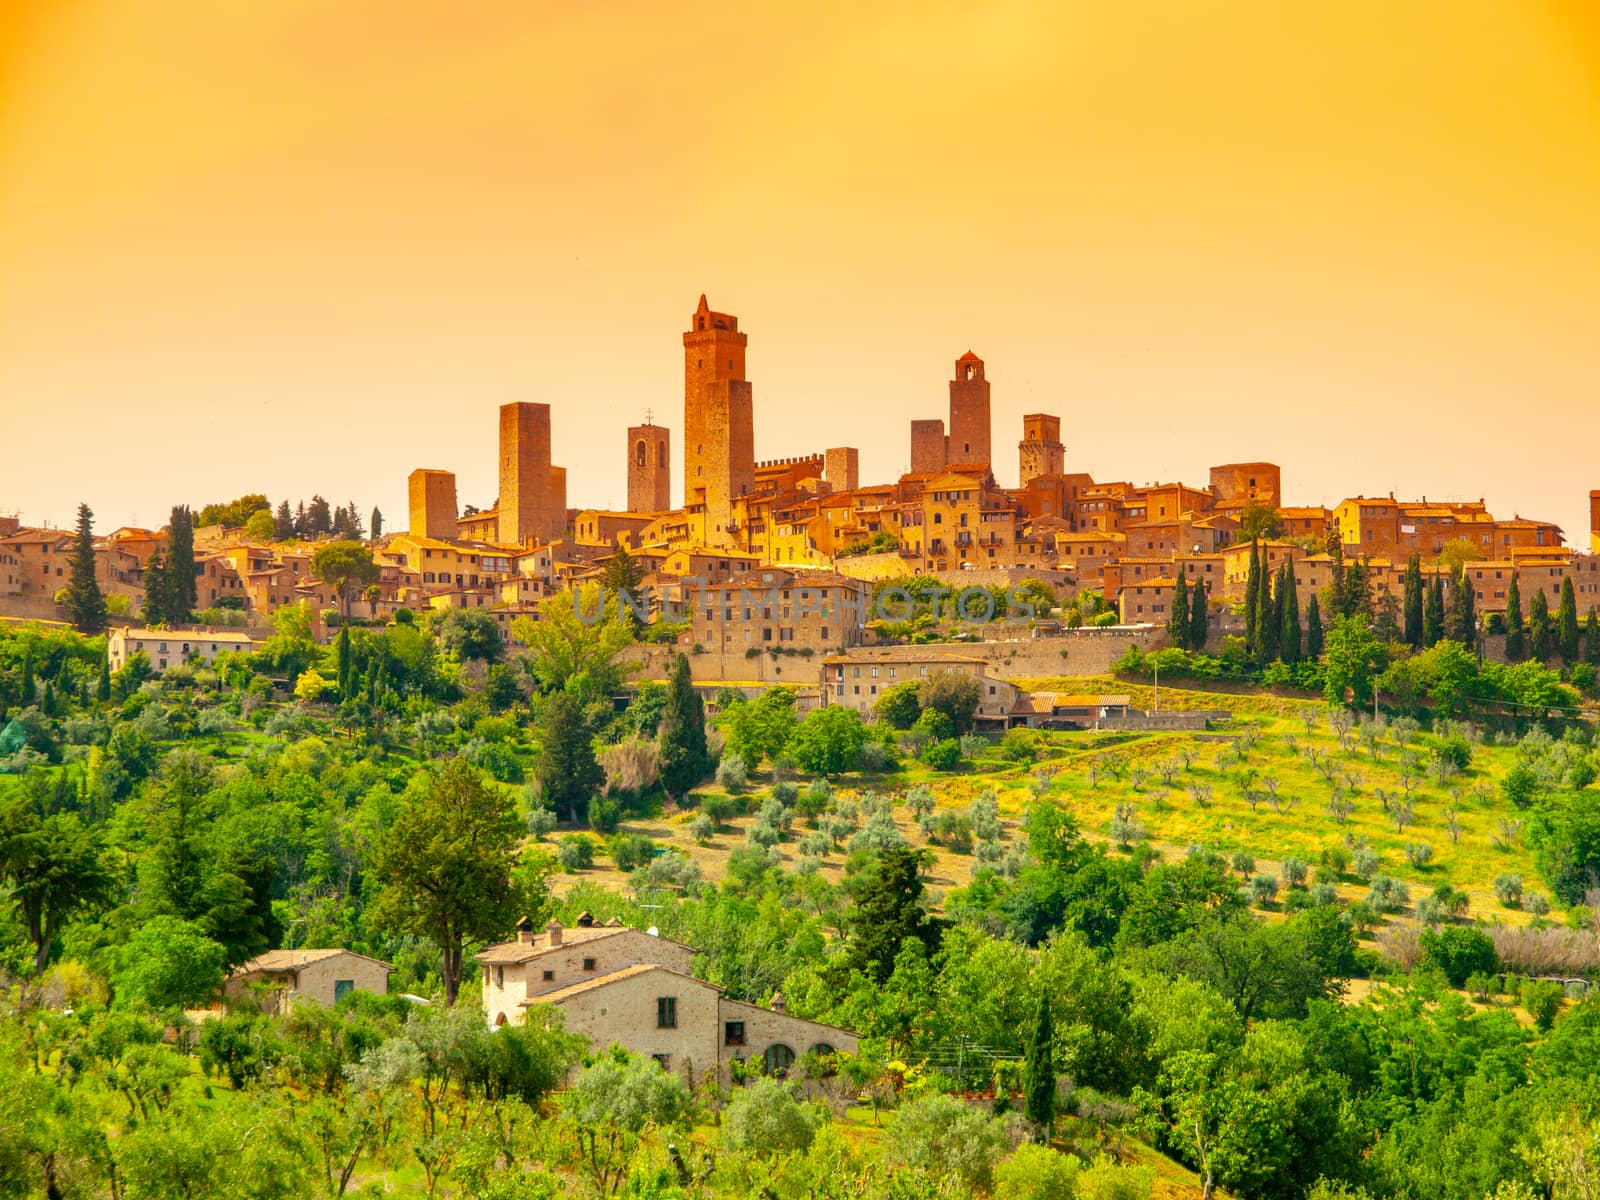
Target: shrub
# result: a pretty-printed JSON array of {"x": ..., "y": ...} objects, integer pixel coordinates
[
  {"x": 920, "y": 801},
  {"x": 1364, "y": 861},
  {"x": 786, "y": 793},
  {"x": 767, "y": 1118},
  {"x": 731, "y": 773},
  {"x": 972, "y": 744},
  {"x": 1244, "y": 863},
  {"x": 942, "y": 755},
  {"x": 1388, "y": 895},
  {"x": 605, "y": 814},
  {"x": 701, "y": 828},
  {"x": 631, "y": 850},
  {"x": 575, "y": 852},
  {"x": 1293, "y": 872},
  {"x": 877, "y": 758},
  {"x": 1037, "y": 1173},
  {"x": 541, "y": 821},
  {"x": 1020, "y": 745},
  {"x": 944, "y": 1136},
  {"x": 1419, "y": 854},
  {"x": 1542, "y": 999},
  {"x": 1536, "y": 903},
  {"x": 1263, "y": 889}
]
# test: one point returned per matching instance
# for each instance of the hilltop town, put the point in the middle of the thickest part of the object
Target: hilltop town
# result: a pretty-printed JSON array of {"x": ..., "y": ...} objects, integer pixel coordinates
[{"x": 808, "y": 521}]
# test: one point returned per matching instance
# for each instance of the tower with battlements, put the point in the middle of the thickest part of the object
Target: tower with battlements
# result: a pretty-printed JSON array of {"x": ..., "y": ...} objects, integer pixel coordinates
[
  {"x": 968, "y": 440},
  {"x": 719, "y": 458},
  {"x": 1040, "y": 452}
]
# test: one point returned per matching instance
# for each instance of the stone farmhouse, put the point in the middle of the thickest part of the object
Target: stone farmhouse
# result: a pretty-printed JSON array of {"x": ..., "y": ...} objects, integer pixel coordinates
[
  {"x": 281, "y": 978},
  {"x": 616, "y": 984}
]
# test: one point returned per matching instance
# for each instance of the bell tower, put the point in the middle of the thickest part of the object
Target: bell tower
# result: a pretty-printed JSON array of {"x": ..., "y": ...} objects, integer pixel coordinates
[
  {"x": 649, "y": 468},
  {"x": 719, "y": 460},
  {"x": 969, "y": 413}
]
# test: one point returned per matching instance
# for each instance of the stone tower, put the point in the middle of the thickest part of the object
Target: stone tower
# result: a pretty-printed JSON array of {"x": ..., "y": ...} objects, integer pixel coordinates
[
  {"x": 842, "y": 468},
  {"x": 719, "y": 449},
  {"x": 529, "y": 508},
  {"x": 1594, "y": 522},
  {"x": 1040, "y": 452},
  {"x": 927, "y": 447},
  {"x": 969, "y": 413},
  {"x": 649, "y": 468},
  {"x": 433, "y": 503}
]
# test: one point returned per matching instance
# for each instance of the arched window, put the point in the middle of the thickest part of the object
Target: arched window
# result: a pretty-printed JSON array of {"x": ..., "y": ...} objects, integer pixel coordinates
[
  {"x": 822, "y": 1049},
  {"x": 640, "y": 454},
  {"x": 778, "y": 1058}
]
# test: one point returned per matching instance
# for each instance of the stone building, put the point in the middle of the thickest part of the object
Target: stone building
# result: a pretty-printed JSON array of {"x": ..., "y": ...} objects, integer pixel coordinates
[
  {"x": 169, "y": 647},
  {"x": 533, "y": 492},
  {"x": 1238, "y": 484},
  {"x": 842, "y": 468},
  {"x": 1040, "y": 453},
  {"x": 280, "y": 978},
  {"x": 649, "y": 468},
  {"x": 432, "y": 496},
  {"x": 969, "y": 413},
  {"x": 618, "y": 985},
  {"x": 719, "y": 458},
  {"x": 857, "y": 680},
  {"x": 1594, "y": 522},
  {"x": 779, "y": 610}
]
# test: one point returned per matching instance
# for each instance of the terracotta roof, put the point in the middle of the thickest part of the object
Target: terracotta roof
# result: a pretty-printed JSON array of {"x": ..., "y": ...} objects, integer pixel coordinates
[
  {"x": 600, "y": 981},
  {"x": 294, "y": 960}
]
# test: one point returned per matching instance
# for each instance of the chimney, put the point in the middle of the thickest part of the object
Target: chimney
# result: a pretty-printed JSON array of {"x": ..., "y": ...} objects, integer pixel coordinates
[
  {"x": 525, "y": 932},
  {"x": 779, "y": 1004},
  {"x": 554, "y": 931}
]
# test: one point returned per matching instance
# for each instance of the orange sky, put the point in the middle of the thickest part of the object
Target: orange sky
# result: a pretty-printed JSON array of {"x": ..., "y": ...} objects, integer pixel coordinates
[{"x": 311, "y": 244}]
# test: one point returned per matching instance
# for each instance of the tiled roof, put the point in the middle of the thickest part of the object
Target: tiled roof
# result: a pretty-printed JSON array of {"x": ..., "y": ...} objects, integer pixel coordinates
[
  {"x": 600, "y": 981},
  {"x": 295, "y": 960}
]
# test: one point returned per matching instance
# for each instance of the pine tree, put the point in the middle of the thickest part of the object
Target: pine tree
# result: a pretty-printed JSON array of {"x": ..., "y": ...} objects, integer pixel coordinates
[
  {"x": 1178, "y": 619},
  {"x": 85, "y": 605},
  {"x": 319, "y": 519},
  {"x": 353, "y": 520},
  {"x": 1199, "y": 617},
  {"x": 1252, "y": 597},
  {"x": 684, "y": 760},
  {"x": 1289, "y": 617},
  {"x": 283, "y": 523},
  {"x": 1313, "y": 628},
  {"x": 1591, "y": 638},
  {"x": 1516, "y": 636},
  {"x": 1039, "y": 1070},
  {"x": 1567, "y": 625},
  {"x": 1412, "y": 605},
  {"x": 1433, "y": 613},
  {"x": 301, "y": 529},
  {"x": 376, "y": 523},
  {"x": 1539, "y": 632}
]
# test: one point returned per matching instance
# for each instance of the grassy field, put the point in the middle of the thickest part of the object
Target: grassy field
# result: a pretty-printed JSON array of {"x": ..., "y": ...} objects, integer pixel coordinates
[{"x": 1275, "y": 781}]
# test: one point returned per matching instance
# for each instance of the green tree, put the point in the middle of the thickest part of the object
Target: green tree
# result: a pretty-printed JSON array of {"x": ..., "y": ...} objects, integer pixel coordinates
[
  {"x": 469, "y": 634},
  {"x": 168, "y": 963},
  {"x": 897, "y": 707},
  {"x": 283, "y": 523},
  {"x": 1591, "y": 637},
  {"x": 235, "y": 514},
  {"x": 620, "y": 583},
  {"x": 1039, "y": 1070},
  {"x": 1413, "y": 602},
  {"x": 954, "y": 693},
  {"x": 1252, "y": 598},
  {"x": 1267, "y": 621},
  {"x": 53, "y": 868},
  {"x": 1258, "y": 520},
  {"x": 685, "y": 760},
  {"x": 1459, "y": 951},
  {"x": 1357, "y": 589},
  {"x": 576, "y": 645},
  {"x": 1461, "y": 621},
  {"x": 1540, "y": 636},
  {"x": 1314, "y": 637},
  {"x": 1199, "y": 617},
  {"x": 1567, "y": 625},
  {"x": 1351, "y": 660},
  {"x": 1516, "y": 640},
  {"x": 568, "y": 772},
  {"x": 181, "y": 592},
  {"x": 375, "y": 524},
  {"x": 1433, "y": 613},
  {"x": 1178, "y": 619},
  {"x": 84, "y": 603},
  {"x": 767, "y": 1118},
  {"x": 1289, "y": 640},
  {"x": 610, "y": 1104},
  {"x": 346, "y": 567},
  {"x": 828, "y": 741},
  {"x": 760, "y": 728},
  {"x": 451, "y": 870},
  {"x": 890, "y": 910}
]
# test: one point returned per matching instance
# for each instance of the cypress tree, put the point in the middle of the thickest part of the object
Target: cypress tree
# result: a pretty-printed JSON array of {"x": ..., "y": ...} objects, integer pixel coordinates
[
  {"x": 1039, "y": 1070},
  {"x": 1289, "y": 617},
  {"x": 283, "y": 522},
  {"x": 1461, "y": 621},
  {"x": 1591, "y": 638},
  {"x": 85, "y": 605},
  {"x": 1539, "y": 633},
  {"x": 1313, "y": 628},
  {"x": 1266, "y": 623},
  {"x": 684, "y": 759},
  {"x": 1567, "y": 624},
  {"x": 1178, "y": 619},
  {"x": 342, "y": 647},
  {"x": 1412, "y": 605},
  {"x": 27, "y": 675},
  {"x": 376, "y": 523},
  {"x": 181, "y": 591},
  {"x": 1200, "y": 617},
  {"x": 105, "y": 679},
  {"x": 48, "y": 705},
  {"x": 1252, "y": 593},
  {"x": 1516, "y": 637},
  {"x": 1336, "y": 579},
  {"x": 1357, "y": 590},
  {"x": 1433, "y": 613}
]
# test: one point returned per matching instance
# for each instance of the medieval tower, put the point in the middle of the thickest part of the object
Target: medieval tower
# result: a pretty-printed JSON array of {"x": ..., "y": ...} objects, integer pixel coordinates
[
  {"x": 969, "y": 413},
  {"x": 1040, "y": 452},
  {"x": 1594, "y": 522},
  {"x": 649, "y": 468},
  {"x": 532, "y": 492},
  {"x": 433, "y": 504},
  {"x": 719, "y": 458}
]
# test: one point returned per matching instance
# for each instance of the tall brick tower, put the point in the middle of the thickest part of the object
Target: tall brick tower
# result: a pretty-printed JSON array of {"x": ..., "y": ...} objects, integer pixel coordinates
[
  {"x": 719, "y": 445},
  {"x": 433, "y": 503},
  {"x": 1594, "y": 522},
  {"x": 927, "y": 446},
  {"x": 1040, "y": 451},
  {"x": 969, "y": 413},
  {"x": 841, "y": 467},
  {"x": 529, "y": 509},
  {"x": 649, "y": 468}
]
